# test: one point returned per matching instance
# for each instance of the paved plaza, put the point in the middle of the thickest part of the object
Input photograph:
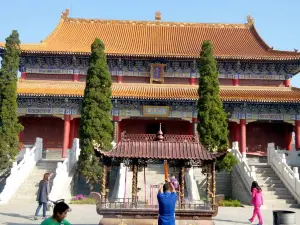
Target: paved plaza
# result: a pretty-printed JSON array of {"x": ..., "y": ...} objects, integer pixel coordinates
[{"x": 17, "y": 214}]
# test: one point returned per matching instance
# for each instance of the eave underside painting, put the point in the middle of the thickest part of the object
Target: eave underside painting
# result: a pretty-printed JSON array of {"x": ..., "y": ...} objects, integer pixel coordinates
[
  {"x": 173, "y": 68},
  {"x": 175, "y": 109}
]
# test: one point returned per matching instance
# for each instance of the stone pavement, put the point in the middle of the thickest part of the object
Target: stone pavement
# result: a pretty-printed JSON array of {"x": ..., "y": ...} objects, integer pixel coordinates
[{"x": 18, "y": 214}]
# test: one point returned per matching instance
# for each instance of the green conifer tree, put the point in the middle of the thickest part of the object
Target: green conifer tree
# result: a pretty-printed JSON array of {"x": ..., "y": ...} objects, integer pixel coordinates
[
  {"x": 95, "y": 123},
  {"x": 212, "y": 127},
  {"x": 9, "y": 123}
]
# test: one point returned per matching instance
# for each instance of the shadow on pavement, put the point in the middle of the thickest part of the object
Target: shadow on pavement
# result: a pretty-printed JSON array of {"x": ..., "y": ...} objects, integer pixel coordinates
[
  {"x": 232, "y": 221},
  {"x": 15, "y": 215}
]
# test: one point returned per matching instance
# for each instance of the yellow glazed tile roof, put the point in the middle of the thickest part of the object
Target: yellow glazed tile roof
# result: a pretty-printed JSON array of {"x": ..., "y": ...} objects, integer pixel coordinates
[
  {"x": 157, "y": 39},
  {"x": 160, "y": 91}
]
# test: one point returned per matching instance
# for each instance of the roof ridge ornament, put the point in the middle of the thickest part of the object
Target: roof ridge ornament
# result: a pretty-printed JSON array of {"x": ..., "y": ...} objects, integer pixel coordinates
[
  {"x": 250, "y": 20},
  {"x": 158, "y": 16},
  {"x": 65, "y": 14}
]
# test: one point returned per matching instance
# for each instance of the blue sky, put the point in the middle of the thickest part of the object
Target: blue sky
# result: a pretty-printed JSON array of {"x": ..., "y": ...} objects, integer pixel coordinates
[{"x": 277, "y": 21}]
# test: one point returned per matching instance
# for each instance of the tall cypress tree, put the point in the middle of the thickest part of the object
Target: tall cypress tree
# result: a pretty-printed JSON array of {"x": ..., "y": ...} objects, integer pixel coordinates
[
  {"x": 212, "y": 125},
  {"x": 95, "y": 123},
  {"x": 9, "y": 124}
]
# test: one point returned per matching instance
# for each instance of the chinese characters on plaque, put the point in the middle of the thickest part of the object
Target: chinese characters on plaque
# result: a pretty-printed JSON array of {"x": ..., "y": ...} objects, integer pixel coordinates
[
  {"x": 156, "y": 111},
  {"x": 157, "y": 73}
]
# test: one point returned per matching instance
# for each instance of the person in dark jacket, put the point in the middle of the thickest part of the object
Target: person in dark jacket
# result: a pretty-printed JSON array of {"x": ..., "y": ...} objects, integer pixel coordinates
[{"x": 42, "y": 195}]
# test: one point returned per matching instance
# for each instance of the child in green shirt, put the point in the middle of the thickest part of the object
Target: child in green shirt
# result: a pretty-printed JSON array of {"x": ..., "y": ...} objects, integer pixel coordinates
[{"x": 60, "y": 212}]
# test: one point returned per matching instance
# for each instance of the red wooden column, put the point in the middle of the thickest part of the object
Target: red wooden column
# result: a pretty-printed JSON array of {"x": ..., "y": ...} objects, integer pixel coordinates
[
  {"x": 288, "y": 139},
  {"x": 243, "y": 136},
  {"x": 67, "y": 119},
  {"x": 23, "y": 75},
  {"x": 235, "y": 80},
  {"x": 287, "y": 83},
  {"x": 297, "y": 134},
  {"x": 72, "y": 132},
  {"x": 236, "y": 132},
  {"x": 120, "y": 78},
  {"x": 75, "y": 77},
  {"x": 193, "y": 80}
]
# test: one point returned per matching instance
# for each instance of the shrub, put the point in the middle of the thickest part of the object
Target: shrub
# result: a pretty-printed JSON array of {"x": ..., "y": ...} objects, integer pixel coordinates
[
  {"x": 230, "y": 203},
  {"x": 80, "y": 199}
]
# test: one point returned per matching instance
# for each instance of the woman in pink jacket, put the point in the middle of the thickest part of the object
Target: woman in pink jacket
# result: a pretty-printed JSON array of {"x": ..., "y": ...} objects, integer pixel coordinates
[{"x": 257, "y": 201}]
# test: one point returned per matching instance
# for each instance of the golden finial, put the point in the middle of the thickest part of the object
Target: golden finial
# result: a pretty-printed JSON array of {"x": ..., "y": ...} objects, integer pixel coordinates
[
  {"x": 158, "y": 16},
  {"x": 65, "y": 14},
  {"x": 250, "y": 20}
]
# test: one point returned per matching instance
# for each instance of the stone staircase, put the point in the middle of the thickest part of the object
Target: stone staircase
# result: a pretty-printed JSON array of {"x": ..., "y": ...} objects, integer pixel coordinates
[
  {"x": 27, "y": 191},
  {"x": 52, "y": 154},
  {"x": 154, "y": 176},
  {"x": 275, "y": 194},
  {"x": 223, "y": 183}
]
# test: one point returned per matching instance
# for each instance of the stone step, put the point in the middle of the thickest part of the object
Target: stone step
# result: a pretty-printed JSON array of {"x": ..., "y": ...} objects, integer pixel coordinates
[
  {"x": 266, "y": 177},
  {"x": 263, "y": 169},
  {"x": 260, "y": 165},
  {"x": 260, "y": 171},
  {"x": 276, "y": 189},
  {"x": 275, "y": 192},
  {"x": 277, "y": 196},
  {"x": 46, "y": 167},
  {"x": 268, "y": 180},
  {"x": 29, "y": 188},
  {"x": 272, "y": 185},
  {"x": 279, "y": 201}
]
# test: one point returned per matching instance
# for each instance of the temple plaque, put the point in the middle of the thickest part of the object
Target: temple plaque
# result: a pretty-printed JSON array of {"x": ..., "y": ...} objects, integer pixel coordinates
[
  {"x": 156, "y": 111},
  {"x": 157, "y": 73}
]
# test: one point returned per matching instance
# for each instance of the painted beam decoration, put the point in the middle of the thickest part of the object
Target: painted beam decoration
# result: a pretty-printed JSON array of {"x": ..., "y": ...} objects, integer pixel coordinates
[
  {"x": 48, "y": 111},
  {"x": 157, "y": 73},
  {"x": 56, "y": 71}
]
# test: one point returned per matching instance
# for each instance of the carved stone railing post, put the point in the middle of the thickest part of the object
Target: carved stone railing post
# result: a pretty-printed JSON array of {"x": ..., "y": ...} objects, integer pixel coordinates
[
  {"x": 103, "y": 183},
  {"x": 182, "y": 186},
  {"x": 213, "y": 199},
  {"x": 134, "y": 184}
]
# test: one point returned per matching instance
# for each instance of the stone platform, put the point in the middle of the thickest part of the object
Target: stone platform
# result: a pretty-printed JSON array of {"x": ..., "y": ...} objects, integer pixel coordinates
[
  {"x": 113, "y": 221},
  {"x": 22, "y": 214}
]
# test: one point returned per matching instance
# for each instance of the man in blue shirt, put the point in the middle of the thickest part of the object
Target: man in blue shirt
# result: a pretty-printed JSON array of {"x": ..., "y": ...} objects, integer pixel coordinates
[{"x": 167, "y": 198}]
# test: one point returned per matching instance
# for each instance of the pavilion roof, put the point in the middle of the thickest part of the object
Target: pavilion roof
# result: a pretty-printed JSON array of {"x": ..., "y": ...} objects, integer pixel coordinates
[
  {"x": 160, "y": 91},
  {"x": 160, "y": 150},
  {"x": 157, "y": 39}
]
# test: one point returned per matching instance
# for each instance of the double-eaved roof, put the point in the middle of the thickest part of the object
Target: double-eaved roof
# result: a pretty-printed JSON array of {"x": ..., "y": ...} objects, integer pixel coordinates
[{"x": 157, "y": 39}]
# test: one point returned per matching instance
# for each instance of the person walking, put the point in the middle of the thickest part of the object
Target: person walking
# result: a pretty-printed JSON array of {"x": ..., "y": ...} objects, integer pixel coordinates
[
  {"x": 42, "y": 195},
  {"x": 257, "y": 201},
  {"x": 167, "y": 198}
]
